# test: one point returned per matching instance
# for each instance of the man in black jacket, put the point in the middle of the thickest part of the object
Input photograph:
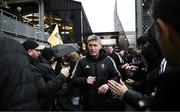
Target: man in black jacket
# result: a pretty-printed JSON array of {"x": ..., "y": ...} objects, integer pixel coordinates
[
  {"x": 46, "y": 89},
  {"x": 166, "y": 17},
  {"x": 118, "y": 61},
  {"x": 18, "y": 91},
  {"x": 92, "y": 73}
]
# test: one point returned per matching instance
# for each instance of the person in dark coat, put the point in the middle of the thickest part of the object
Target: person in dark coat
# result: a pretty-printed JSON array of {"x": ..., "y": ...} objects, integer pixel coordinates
[
  {"x": 92, "y": 73},
  {"x": 166, "y": 17},
  {"x": 141, "y": 84},
  {"x": 69, "y": 97},
  {"x": 141, "y": 87},
  {"x": 139, "y": 80},
  {"x": 82, "y": 48},
  {"x": 49, "y": 88},
  {"x": 118, "y": 61},
  {"x": 140, "y": 41},
  {"x": 44, "y": 65},
  {"x": 18, "y": 91},
  {"x": 115, "y": 56},
  {"x": 18, "y": 12}
]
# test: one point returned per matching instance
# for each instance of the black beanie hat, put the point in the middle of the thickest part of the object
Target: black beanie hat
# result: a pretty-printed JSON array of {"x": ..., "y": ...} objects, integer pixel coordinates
[{"x": 31, "y": 44}]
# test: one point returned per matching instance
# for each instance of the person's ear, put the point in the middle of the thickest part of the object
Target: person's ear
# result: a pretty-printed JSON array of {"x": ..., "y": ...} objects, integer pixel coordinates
[
  {"x": 165, "y": 30},
  {"x": 29, "y": 52}
]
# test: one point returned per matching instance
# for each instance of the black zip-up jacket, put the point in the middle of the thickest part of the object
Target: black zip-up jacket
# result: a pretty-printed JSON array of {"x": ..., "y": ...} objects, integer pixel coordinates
[{"x": 104, "y": 69}]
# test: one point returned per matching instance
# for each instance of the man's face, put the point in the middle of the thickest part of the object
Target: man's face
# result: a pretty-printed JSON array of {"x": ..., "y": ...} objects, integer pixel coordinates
[
  {"x": 34, "y": 53},
  {"x": 160, "y": 38},
  {"x": 109, "y": 49},
  {"x": 19, "y": 9},
  {"x": 140, "y": 46},
  {"x": 165, "y": 39},
  {"x": 93, "y": 48}
]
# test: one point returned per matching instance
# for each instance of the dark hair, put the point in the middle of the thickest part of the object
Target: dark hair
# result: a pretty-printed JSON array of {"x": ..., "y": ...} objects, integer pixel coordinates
[
  {"x": 47, "y": 53},
  {"x": 142, "y": 40},
  {"x": 151, "y": 55},
  {"x": 168, "y": 11}
]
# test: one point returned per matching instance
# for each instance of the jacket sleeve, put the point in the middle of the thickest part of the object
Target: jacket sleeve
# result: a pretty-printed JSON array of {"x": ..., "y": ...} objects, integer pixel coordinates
[
  {"x": 114, "y": 73},
  {"x": 78, "y": 77},
  {"x": 133, "y": 98},
  {"x": 50, "y": 87}
]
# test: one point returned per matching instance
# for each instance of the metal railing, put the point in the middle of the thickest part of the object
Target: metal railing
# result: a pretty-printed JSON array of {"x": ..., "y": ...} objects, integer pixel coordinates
[{"x": 9, "y": 23}]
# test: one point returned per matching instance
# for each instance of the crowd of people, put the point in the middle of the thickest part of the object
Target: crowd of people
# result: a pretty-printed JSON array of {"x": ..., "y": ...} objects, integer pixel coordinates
[{"x": 34, "y": 78}]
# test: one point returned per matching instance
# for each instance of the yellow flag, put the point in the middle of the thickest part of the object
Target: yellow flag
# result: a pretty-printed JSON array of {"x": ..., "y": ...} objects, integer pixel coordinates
[{"x": 55, "y": 38}]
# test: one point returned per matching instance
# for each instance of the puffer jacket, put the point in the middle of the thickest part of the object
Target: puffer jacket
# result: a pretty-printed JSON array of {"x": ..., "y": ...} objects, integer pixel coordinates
[{"x": 17, "y": 87}]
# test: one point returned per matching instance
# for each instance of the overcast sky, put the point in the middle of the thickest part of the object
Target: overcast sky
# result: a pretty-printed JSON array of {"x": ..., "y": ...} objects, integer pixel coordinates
[{"x": 100, "y": 14}]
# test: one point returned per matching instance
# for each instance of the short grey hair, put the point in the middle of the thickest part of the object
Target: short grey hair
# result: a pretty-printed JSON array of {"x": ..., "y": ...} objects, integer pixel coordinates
[{"x": 94, "y": 37}]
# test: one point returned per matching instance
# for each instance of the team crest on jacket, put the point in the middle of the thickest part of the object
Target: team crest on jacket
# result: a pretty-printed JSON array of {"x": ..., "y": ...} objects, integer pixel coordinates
[{"x": 102, "y": 65}]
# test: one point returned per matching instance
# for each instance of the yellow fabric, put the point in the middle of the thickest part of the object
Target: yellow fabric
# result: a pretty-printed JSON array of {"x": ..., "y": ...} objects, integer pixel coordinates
[{"x": 54, "y": 38}]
